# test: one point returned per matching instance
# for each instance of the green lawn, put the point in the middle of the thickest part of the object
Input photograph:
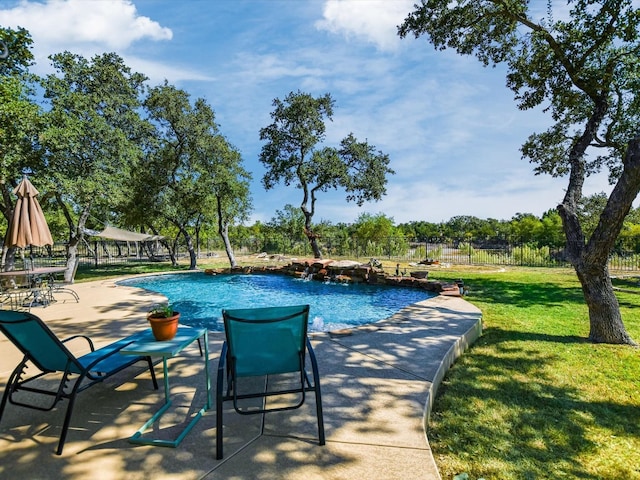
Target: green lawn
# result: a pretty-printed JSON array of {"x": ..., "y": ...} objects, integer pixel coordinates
[
  {"x": 85, "y": 274},
  {"x": 532, "y": 398}
]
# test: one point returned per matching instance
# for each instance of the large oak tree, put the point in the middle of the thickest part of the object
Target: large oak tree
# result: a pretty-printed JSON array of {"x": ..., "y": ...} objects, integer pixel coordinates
[
  {"x": 231, "y": 189},
  {"x": 190, "y": 175},
  {"x": 93, "y": 136},
  {"x": 584, "y": 71},
  {"x": 293, "y": 155}
]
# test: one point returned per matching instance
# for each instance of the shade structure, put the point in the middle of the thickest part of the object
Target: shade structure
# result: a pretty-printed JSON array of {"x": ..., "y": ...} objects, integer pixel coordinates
[
  {"x": 114, "y": 233},
  {"x": 28, "y": 225}
]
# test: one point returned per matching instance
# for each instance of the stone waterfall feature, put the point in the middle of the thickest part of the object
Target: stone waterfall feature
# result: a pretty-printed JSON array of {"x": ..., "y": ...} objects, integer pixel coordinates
[{"x": 348, "y": 271}]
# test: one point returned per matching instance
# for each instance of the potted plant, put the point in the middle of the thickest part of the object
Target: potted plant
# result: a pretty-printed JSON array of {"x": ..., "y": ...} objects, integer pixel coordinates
[{"x": 164, "y": 321}]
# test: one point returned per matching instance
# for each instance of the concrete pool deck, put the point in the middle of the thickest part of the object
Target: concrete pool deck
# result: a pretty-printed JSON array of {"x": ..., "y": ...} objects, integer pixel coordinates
[{"x": 377, "y": 386}]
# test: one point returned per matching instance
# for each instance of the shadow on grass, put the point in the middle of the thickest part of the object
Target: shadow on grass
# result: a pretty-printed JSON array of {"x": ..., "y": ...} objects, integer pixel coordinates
[
  {"x": 501, "y": 335},
  {"x": 507, "y": 415},
  {"x": 524, "y": 294},
  {"x": 630, "y": 283}
]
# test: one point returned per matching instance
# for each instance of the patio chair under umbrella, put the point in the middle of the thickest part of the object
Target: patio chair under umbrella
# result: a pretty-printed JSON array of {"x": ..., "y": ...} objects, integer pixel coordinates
[{"x": 28, "y": 225}]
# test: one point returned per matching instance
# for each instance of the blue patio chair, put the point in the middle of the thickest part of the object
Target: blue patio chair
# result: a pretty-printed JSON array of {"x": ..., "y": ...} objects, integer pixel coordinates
[
  {"x": 42, "y": 349},
  {"x": 266, "y": 342}
]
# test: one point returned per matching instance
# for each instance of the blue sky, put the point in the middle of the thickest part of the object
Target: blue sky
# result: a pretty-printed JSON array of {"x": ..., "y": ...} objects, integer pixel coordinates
[{"x": 450, "y": 127}]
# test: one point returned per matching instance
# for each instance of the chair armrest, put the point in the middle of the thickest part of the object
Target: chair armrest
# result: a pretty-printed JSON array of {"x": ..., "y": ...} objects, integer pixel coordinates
[
  {"x": 80, "y": 336},
  {"x": 104, "y": 353},
  {"x": 91, "y": 360}
]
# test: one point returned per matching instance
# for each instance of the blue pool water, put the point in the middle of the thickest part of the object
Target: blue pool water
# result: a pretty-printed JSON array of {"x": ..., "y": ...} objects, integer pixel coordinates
[{"x": 200, "y": 298}]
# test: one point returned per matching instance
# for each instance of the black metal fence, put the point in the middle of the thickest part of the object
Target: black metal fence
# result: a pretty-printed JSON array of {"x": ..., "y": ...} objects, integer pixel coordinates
[
  {"x": 486, "y": 251},
  {"x": 94, "y": 254},
  {"x": 507, "y": 252}
]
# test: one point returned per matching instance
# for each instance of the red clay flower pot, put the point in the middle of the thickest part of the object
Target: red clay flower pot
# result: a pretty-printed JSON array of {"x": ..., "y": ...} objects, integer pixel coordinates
[{"x": 164, "y": 328}]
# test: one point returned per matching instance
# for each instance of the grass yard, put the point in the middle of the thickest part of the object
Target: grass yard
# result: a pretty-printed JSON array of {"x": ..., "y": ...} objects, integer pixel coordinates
[{"x": 532, "y": 398}]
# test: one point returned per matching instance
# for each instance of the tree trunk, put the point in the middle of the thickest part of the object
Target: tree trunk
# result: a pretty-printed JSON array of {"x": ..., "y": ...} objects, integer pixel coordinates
[
  {"x": 152, "y": 248},
  {"x": 173, "y": 251},
  {"x": 8, "y": 258},
  {"x": 193, "y": 259},
  {"x": 605, "y": 321},
  {"x": 313, "y": 241},
  {"x": 312, "y": 237},
  {"x": 76, "y": 236},
  {"x": 223, "y": 231},
  {"x": 72, "y": 260},
  {"x": 308, "y": 216},
  {"x": 590, "y": 261},
  {"x": 72, "y": 251},
  {"x": 105, "y": 250}
]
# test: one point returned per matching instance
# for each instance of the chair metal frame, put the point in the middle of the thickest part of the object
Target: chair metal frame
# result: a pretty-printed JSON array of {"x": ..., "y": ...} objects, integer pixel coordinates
[
  {"x": 44, "y": 350},
  {"x": 62, "y": 286},
  {"x": 18, "y": 291},
  {"x": 255, "y": 318}
]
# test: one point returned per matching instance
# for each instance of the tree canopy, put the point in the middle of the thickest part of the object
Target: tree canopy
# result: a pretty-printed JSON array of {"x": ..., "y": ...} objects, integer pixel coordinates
[
  {"x": 174, "y": 169},
  {"x": 293, "y": 154},
  {"x": 92, "y": 136},
  {"x": 190, "y": 175},
  {"x": 584, "y": 71},
  {"x": 106, "y": 150}
]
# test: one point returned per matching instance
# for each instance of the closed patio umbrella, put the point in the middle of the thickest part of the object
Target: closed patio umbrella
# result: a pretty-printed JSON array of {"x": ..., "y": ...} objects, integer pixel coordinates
[{"x": 28, "y": 225}]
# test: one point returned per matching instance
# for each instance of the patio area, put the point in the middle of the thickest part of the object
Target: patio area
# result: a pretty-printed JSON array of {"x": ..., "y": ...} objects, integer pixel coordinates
[{"x": 377, "y": 384}]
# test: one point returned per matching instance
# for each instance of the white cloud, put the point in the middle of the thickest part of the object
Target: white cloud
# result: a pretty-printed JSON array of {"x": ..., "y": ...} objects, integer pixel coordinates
[
  {"x": 83, "y": 27},
  {"x": 258, "y": 68},
  {"x": 374, "y": 21},
  {"x": 111, "y": 23},
  {"x": 158, "y": 72}
]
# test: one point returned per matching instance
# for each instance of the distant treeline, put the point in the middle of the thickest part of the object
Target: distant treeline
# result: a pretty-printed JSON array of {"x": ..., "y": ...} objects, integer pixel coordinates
[{"x": 286, "y": 229}]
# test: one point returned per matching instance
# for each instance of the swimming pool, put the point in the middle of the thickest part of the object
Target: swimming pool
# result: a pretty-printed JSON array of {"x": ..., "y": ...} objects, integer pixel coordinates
[{"x": 200, "y": 298}]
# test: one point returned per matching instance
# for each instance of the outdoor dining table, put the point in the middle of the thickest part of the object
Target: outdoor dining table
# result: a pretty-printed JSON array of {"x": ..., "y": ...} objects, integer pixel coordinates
[
  {"x": 33, "y": 281},
  {"x": 34, "y": 274}
]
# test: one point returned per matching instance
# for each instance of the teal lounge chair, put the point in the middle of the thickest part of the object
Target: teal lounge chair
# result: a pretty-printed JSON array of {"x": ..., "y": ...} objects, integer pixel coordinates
[
  {"x": 42, "y": 349},
  {"x": 266, "y": 342}
]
